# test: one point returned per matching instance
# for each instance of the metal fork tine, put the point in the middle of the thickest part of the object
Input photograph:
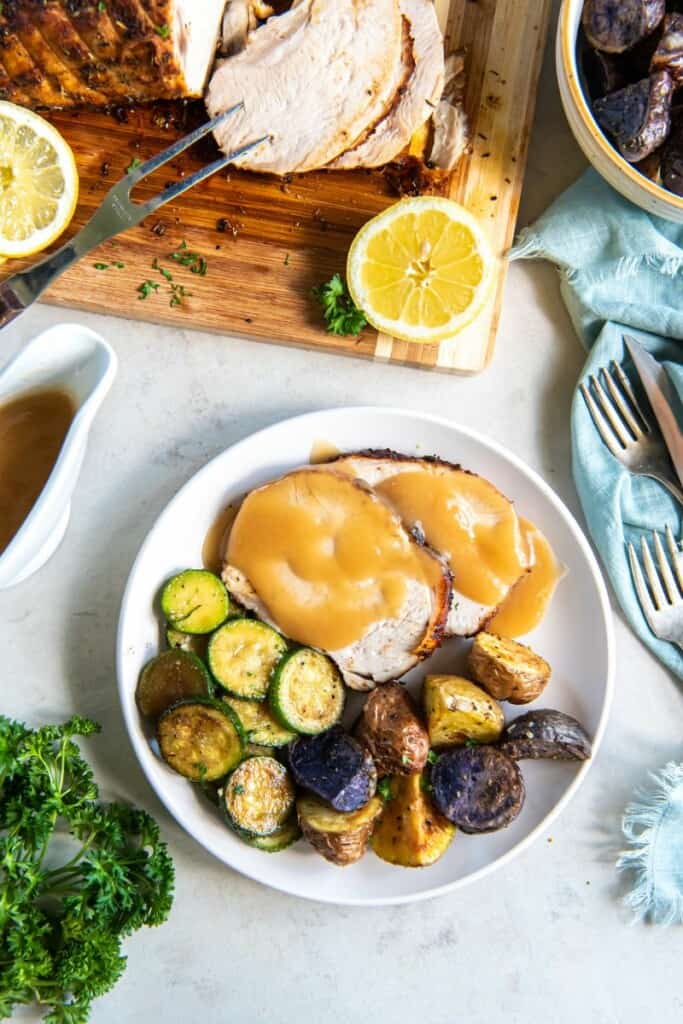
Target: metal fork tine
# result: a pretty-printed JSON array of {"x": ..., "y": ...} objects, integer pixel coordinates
[
  {"x": 616, "y": 394},
  {"x": 599, "y": 421},
  {"x": 610, "y": 412},
  {"x": 133, "y": 177},
  {"x": 665, "y": 571},
  {"x": 628, "y": 391},
  {"x": 179, "y": 187},
  {"x": 641, "y": 588},
  {"x": 652, "y": 577},
  {"x": 675, "y": 556}
]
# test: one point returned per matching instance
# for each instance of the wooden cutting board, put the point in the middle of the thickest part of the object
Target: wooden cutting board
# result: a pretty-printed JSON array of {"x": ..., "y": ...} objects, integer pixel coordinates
[{"x": 267, "y": 243}]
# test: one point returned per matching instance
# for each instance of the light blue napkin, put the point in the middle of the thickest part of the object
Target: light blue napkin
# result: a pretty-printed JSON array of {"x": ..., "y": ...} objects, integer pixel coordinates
[{"x": 621, "y": 269}]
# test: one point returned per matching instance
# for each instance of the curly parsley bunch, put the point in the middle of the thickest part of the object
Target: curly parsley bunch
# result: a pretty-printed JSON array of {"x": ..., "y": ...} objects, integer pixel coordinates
[{"x": 63, "y": 915}]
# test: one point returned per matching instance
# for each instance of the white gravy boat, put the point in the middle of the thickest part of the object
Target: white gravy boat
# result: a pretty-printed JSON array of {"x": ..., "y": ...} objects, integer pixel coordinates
[{"x": 80, "y": 362}]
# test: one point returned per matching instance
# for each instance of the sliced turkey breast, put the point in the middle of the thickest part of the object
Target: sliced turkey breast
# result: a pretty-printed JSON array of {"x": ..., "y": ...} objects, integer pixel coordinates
[
  {"x": 312, "y": 79},
  {"x": 451, "y": 135},
  {"x": 69, "y": 52},
  {"x": 415, "y": 99},
  {"x": 459, "y": 515},
  {"x": 329, "y": 563}
]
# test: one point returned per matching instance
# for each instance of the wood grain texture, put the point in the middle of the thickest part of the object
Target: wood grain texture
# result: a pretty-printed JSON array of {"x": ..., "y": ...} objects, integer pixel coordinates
[{"x": 269, "y": 242}]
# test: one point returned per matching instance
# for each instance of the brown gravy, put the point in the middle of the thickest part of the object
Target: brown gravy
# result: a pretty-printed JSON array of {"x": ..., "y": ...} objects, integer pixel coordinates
[
  {"x": 322, "y": 451},
  {"x": 527, "y": 602},
  {"x": 326, "y": 557},
  {"x": 216, "y": 540},
  {"x": 32, "y": 430}
]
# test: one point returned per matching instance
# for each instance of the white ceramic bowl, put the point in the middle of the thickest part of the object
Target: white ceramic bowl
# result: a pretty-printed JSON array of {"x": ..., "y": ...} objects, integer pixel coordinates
[
  {"x": 76, "y": 359},
  {"x": 604, "y": 157},
  {"x": 575, "y": 636}
]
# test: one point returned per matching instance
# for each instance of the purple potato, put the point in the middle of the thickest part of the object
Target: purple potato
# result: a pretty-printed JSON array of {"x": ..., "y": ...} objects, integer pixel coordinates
[
  {"x": 335, "y": 767},
  {"x": 479, "y": 789},
  {"x": 602, "y": 72},
  {"x": 638, "y": 117},
  {"x": 671, "y": 167},
  {"x": 616, "y": 25},
  {"x": 546, "y": 734}
]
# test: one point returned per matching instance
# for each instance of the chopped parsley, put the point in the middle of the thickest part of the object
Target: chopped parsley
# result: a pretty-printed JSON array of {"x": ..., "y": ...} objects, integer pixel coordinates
[
  {"x": 469, "y": 742},
  {"x": 196, "y": 263},
  {"x": 384, "y": 789},
  {"x": 146, "y": 288},
  {"x": 105, "y": 266},
  {"x": 134, "y": 164},
  {"x": 238, "y": 789},
  {"x": 163, "y": 31},
  {"x": 341, "y": 315}
]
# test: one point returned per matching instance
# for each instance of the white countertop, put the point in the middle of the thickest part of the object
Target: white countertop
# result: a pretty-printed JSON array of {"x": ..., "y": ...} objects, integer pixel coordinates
[{"x": 545, "y": 938}]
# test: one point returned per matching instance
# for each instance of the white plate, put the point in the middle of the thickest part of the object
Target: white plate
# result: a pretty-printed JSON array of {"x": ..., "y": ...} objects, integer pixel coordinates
[{"x": 575, "y": 636}]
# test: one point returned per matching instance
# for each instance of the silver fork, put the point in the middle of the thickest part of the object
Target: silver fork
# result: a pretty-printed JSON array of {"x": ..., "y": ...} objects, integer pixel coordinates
[
  {"x": 624, "y": 428},
  {"x": 117, "y": 213},
  {"x": 661, "y": 597}
]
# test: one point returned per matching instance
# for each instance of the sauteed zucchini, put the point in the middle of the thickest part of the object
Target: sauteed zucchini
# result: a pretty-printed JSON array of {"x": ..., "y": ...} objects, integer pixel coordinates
[
  {"x": 195, "y": 601},
  {"x": 168, "y": 678},
  {"x": 259, "y": 724},
  {"x": 242, "y": 655},
  {"x": 200, "y": 739},
  {"x": 258, "y": 797},
  {"x": 307, "y": 692}
]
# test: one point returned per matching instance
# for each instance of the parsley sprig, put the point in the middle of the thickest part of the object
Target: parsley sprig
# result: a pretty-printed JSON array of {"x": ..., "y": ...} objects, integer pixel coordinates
[
  {"x": 341, "y": 315},
  {"x": 63, "y": 915}
]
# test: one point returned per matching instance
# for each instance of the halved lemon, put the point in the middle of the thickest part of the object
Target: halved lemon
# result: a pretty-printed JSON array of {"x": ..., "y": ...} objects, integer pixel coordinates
[
  {"x": 421, "y": 270},
  {"x": 38, "y": 182}
]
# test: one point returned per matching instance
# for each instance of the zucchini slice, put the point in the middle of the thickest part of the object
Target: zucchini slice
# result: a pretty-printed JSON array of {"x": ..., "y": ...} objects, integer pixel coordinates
[
  {"x": 170, "y": 677},
  {"x": 200, "y": 739},
  {"x": 278, "y": 840},
  {"x": 186, "y": 642},
  {"x": 242, "y": 655},
  {"x": 307, "y": 693},
  {"x": 258, "y": 797},
  {"x": 195, "y": 601},
  {"x": 259, "y": 724}
]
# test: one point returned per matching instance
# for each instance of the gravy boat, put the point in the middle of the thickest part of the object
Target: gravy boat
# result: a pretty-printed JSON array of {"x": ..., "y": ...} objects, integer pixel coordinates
[{"x": 80, "y": 362}]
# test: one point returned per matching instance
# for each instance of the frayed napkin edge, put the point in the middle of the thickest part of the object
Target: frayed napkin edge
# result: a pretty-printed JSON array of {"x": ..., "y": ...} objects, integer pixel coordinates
[{"x": 641, "y": 827}]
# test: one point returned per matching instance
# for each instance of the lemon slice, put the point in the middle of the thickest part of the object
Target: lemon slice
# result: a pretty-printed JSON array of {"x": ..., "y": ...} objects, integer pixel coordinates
[
  {"x": 38, "y": 182},
  {"x": 421, "y": 270}
]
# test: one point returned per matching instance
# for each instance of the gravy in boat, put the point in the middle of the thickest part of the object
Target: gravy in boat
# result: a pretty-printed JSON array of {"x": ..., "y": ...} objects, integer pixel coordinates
[{"x": 32, "y": 430}]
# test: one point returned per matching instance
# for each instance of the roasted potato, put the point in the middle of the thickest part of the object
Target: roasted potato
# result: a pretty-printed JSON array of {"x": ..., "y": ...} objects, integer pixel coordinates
[
  {"x": 411, "y": 833},
  {"x": 391, "y": 730},
  {"x": 506, "y": 669},
  {"x": 458, "y": 711},
  {"x": 479, "y": 789},
  {"x": 546, "y": 734},
  {"x": 340, "y": 837},
  {"x": 335, "y": 767}
]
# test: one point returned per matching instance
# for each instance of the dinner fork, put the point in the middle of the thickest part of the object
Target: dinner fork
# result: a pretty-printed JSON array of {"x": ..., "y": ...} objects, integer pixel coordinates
[
  {"x": 661, "y": 598},
  {"x": 117, "y": 213},
  {"x": 625, "y": 429}
]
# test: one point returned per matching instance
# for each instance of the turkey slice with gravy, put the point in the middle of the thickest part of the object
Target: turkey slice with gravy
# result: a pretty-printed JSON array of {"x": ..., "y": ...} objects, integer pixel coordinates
[
  {"x": 313, "y": 79},
  {"x": 330, "y": 564},
  {"x": 459, "y": 515}
]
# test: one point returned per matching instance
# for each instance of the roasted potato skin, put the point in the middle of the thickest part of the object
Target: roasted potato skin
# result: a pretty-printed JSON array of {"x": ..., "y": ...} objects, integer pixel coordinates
[
  {"x": 335, "y": 767},
  {"x": 341, "y": 838},
  {"x": 507, "y": 669},
  {"x": 411, "y": 833},
  {"x": 390, "y": 729},
  {"x": 546, "y": 734},
  {"x": 479, "y": 789},
  {"x": 458, "y": 710}
]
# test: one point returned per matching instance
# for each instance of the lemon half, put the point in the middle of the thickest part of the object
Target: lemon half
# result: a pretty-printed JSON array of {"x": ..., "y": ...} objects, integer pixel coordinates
[
  {"x": 38, "y": 182},
  {"x": 421, "y": 270}
]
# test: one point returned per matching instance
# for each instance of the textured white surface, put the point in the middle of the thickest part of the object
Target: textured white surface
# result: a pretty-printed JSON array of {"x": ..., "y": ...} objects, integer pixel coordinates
[{"x": 544, "y": 939}]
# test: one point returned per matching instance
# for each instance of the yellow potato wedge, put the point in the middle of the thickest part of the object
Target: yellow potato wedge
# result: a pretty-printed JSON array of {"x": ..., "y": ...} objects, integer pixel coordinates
[
  {"x": 411, "y": 833},
  {"x": 458, "y": 711},
  {"x": 339, "y": 837},
  {"x": 506, "y": 669}
]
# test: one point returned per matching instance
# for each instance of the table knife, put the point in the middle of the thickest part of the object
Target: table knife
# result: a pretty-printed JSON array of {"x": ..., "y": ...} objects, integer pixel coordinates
[{"x": 662, "y": 397}]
